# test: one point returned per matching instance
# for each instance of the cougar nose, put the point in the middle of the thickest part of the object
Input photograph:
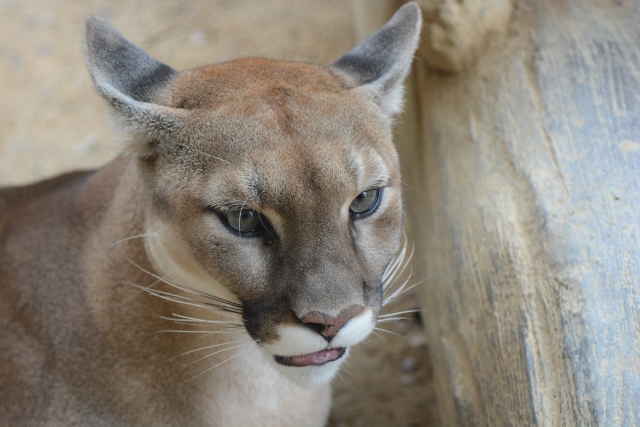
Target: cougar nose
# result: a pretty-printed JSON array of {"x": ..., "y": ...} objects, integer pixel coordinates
[{"x": 328, "y": 326}]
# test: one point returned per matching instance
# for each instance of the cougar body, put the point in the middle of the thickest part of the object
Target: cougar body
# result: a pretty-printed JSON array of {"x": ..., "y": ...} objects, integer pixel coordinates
[{"x": 219, "y": 271}]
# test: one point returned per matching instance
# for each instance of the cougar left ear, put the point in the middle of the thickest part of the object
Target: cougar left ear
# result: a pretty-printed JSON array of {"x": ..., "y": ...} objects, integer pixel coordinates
[
  {"x": 380, "y": 63},
  {"x": 130, "y": 80}
]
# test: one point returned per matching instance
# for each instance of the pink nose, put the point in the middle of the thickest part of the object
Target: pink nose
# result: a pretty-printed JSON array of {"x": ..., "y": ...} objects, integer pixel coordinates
[{"x": 328, "y": 326}]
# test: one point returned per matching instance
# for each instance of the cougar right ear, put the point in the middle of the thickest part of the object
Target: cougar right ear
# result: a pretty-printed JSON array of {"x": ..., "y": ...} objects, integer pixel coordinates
[
  {"x": 130, "y": 79},
  {"x": 380, "y": 63}
]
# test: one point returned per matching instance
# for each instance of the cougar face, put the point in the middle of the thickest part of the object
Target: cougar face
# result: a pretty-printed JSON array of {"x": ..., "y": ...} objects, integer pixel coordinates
[
  {"x": 293, "y": 208},
  {"x": 272, "y": 184},
  {"x": 258, "y": 203}
]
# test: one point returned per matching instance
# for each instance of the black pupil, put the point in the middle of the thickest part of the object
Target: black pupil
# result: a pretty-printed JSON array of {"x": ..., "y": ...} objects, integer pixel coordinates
[
  {"x": 365, "y": 202},
  {"x": 244, "y": 221}
]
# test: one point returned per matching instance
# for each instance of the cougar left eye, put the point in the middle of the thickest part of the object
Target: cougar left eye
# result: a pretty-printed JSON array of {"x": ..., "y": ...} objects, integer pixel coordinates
[
  {"x": 366, "y": 202},
  {"x": 244, "y": 220}
]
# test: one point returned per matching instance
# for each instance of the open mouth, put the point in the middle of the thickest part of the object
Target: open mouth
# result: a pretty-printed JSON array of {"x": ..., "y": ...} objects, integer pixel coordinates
[{"x": 318, "y": 358}]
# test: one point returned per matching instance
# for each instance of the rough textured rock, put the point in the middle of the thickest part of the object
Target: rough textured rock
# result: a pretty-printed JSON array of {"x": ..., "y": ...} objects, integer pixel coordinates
[
  {"x": 527, "y": 221},
  {"x": 457, "y": 32}
]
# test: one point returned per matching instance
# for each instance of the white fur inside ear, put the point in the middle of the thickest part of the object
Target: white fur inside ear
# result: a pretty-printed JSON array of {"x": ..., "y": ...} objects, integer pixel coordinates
[
  {"x": 392, "y": 101},
  {"x": 133, "y": 138},
  {"x": 141, "y": 125}
]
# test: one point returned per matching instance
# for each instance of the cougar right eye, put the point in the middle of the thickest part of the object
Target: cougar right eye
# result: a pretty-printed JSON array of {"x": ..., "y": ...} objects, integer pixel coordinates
[
  {"x": 365, "y": 203},
  {"x": 244, "y": 220}
]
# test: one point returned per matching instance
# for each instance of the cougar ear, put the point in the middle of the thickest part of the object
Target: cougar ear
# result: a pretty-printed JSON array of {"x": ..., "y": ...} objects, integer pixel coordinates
[
  {"x": 381, "y": 62},
  {"x": 130, "y": 79}
]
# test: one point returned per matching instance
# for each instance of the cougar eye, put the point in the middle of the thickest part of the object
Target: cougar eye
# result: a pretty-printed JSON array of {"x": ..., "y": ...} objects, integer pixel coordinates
[
  {"x": 244, "y": 220},
  {"x": 366, "y": 202}
]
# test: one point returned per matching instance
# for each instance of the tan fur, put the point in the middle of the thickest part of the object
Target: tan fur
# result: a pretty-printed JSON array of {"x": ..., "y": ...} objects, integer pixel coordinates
[
  {"x": 86, "y": 258},
  {"x": 111, "y": 342}
]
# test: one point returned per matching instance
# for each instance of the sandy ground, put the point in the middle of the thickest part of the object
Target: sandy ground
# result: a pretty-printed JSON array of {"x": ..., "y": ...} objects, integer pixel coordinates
[{"x": 51, "y": 121}]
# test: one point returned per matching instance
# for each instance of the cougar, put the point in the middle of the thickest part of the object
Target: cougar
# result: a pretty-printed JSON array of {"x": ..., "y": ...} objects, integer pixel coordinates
[{"x": 219, "y": 271}]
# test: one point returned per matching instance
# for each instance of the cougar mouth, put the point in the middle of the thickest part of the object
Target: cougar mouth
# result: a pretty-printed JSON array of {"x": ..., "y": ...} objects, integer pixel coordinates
[{"x": 318, "y": 358}]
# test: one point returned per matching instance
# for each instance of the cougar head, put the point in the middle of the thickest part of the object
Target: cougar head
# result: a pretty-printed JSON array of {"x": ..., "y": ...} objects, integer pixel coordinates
[{"x": 271, "y": 184}]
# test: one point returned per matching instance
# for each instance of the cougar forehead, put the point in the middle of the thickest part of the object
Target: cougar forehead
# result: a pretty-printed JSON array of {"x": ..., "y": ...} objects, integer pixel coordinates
[
  {"x": 258, "y": 103},
  {"x": 247, "y": 78}
]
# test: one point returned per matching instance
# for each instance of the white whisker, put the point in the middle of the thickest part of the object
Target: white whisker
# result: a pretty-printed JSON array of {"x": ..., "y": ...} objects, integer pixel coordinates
[
  {"x": 408, "y": 186},
  {"x": 195, "y": 321},
  {"x": 130, "y": 238},
  {"x": 347, "y": 366},
  {"x": 188, "y": 289},
  {"x": 212, "y": 354},
  {"x": 399, "y": 262},
  {"x": 189, "y": 301},
  {"x": 366, "y": 343},
  {"x": 240, "y": 216},
  {"x": 210, "y": 346},
  {"x": 210, "y": 155},
  {"x": 345, "y": 380},
  {"x": 197, "y": 325},
  {"x": 228, "y": 306},
  {"x": 180, "y": 331},
  {"x": 388, "y": 331},
  {"x": 252, "y": 351},
  {"x": 395, "y": 270},
  {"x": 381, "y": 337},
  {"x": 183, "y": 300},
  {"x": 382, "y": 316},
  {"x": 218, "y": 364},
  {"x": 401, "y": 290}
]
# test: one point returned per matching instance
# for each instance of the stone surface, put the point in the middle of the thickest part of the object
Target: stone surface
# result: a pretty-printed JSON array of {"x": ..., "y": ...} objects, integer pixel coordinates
[{"x": 526, "y": 220}]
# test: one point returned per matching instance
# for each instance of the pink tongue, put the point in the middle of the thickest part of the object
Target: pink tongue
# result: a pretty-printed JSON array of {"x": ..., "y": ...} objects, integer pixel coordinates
[{"x": 319, "y": 358}]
